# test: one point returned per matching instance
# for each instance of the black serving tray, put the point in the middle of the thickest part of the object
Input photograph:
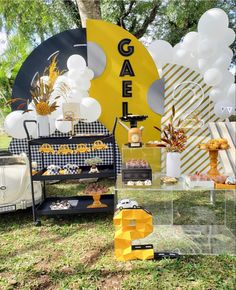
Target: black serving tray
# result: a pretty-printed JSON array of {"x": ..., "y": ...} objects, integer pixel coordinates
[
  {"x": 81, "y": 208},
  {"x": 136, "y": 174},
  {"x": 105, "y": 171}
]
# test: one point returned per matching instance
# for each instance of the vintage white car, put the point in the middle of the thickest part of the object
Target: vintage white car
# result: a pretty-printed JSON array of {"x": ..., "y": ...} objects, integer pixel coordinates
[
  {"x": 127, "y": 203},
  {"x": 15, "y": 186}
]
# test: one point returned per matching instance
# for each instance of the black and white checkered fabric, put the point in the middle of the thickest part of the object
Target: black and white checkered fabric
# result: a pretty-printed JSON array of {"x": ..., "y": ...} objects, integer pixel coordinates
[{"x": 18, "y": 146}]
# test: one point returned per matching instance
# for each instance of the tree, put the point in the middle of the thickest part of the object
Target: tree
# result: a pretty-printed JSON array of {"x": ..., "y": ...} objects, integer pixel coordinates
[
  {"x": 36, "y": 20},
  {"x": 89, "y": 9},
  {"x": 134, "y": 16},
  {"x": 179, "y": 17},
  {"x": 27, "y": 24}
]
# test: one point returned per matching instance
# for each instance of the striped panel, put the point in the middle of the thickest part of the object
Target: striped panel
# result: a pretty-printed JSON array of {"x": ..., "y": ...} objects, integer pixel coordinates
[{"x": 186, "y": 90}]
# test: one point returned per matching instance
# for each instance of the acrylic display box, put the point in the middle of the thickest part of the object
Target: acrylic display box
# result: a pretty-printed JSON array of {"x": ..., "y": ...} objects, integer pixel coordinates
[
  {"x": 186, "y": 221},
  {"x": 151, "y": 154}
]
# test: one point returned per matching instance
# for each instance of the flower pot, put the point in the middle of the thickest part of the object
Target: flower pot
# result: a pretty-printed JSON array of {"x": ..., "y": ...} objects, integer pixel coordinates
[
  {"x": 43, "y": 125},
  {"x": 173, "y": 163}
]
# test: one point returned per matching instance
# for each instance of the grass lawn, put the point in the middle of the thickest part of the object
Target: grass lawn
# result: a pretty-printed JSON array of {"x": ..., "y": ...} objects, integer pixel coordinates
[{"x": 77, "y": 253}]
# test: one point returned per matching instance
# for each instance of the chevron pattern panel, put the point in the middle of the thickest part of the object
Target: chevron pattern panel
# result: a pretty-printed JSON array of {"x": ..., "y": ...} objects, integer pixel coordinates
[{"x": 186, "y": 89}]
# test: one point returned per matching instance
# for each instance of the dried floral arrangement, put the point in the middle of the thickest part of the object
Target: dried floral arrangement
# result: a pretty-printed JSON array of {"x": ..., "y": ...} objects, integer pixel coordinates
[
  {"x": 42, "y": 91},
  {"x": 173, "y": 136}
]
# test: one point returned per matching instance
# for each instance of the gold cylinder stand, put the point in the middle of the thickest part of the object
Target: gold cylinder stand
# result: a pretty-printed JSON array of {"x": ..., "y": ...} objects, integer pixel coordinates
[
  {"x": 213, "y": 163},
  {"x": 96, "y": 201}
]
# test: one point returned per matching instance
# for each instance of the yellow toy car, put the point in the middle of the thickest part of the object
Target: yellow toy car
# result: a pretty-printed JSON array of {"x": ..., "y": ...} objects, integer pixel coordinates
[
  {"x": 82, "y": 148},
  {"x": 46, "y": 148},
  {"x": 99, "y": 145},
  {"x": 64, "y": 150}
]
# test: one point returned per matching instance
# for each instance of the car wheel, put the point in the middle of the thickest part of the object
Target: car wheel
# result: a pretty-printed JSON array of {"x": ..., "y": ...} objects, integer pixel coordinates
[
  {"x": 121, "y": 207},
  {"x": 134, "y": 206}
]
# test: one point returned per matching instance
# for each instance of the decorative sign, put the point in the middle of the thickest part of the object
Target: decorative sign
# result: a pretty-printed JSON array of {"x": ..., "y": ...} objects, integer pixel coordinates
[
  {"x": 132, "y": 224},
  {"x": 187, "y": 91},
  {"x": 129, "y": 73}
]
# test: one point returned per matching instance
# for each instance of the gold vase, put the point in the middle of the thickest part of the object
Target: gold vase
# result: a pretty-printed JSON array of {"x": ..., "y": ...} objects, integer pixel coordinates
[{"x": 96, "y": 201}]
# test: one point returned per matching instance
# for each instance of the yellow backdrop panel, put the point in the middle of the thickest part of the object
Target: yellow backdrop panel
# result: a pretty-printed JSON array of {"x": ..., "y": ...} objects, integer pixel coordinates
[{"x": 107, "y": 88}]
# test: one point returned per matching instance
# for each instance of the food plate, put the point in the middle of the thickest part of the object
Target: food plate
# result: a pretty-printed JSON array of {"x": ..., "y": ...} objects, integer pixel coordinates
[{"x": 199, "y": 183}]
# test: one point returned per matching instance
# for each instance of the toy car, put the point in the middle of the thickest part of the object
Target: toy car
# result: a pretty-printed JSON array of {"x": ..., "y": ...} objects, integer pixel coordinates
[
  {"x": 99, "y": 145},
  {"x": 82, "y": 148},
  {"x": 127, "y": 203},
  {"x": 53, "y": 169},
  {"x": 46, "y": 148},
  {"x": 64, "y": 150}
]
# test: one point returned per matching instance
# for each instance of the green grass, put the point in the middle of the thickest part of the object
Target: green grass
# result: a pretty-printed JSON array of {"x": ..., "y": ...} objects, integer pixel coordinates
[{"x": 77, "y": 253}]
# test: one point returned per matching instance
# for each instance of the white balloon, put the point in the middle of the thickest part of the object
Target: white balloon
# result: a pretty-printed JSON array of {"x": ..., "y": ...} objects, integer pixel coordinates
[
  {"x": 222, "y": 61},
  {"x": 191, "y": 40},
  {"x": 207, "y": 48},
  {"x": 14, "y": 127},
  {"x": 62, "y": 79},
  {"x": 192, "y": 62},
  {"x": 229, "y": 36},
  {"x": 213, "y": 77},
  {"x": 216, "y": 95},
  {"x": 76, "y": 96},
  {"x": 224, "y": 109},
  {"x": 225, "y": 50},
  {"x": 157, "y": 62},
  {"x": 178, "y": 46},
  {"x": 184, "y": 57},
  {"x": 180, "y": 56},
  {"x": 161, "y": 51},
  {"x": 74, "y": 75},
  {"x": 83, "y": 84},
  {"x": 213, "y": 23},
  {"x": 85, "y": 94},
  {"x": 77, "y": 62},
  {"x": 231, "y": 93},
  {"x": 88, "y": 74},
  {"x": 63, "y": 126},
  {"x": 227, "y": 80},
  {"x": 204, "y": 64},
  {"x": 90, "y": 109},
  {"x": 72, "y": 83}
]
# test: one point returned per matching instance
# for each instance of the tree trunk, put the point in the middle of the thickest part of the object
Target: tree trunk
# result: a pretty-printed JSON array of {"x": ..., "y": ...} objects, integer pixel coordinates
[{"x": 89, "y": 9}]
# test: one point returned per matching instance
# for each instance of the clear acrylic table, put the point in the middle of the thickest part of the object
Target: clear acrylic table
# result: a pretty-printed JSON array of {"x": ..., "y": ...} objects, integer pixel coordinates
[{"x": 186, "y": 221}]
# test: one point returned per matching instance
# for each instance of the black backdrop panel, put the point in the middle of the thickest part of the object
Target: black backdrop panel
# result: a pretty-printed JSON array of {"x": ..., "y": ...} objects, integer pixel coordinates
[{"x": 65, "y": 43}]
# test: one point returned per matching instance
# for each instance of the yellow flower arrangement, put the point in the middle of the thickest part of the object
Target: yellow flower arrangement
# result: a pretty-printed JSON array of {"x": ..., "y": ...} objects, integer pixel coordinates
[{"x": 41, "y": 92}]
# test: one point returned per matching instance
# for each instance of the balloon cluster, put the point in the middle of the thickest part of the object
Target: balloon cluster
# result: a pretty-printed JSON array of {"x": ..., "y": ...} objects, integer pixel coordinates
[
  {"x": 73, "y": 87},
  {"x": 207, "y": 52},
  {"x": 78, "y": 81}
]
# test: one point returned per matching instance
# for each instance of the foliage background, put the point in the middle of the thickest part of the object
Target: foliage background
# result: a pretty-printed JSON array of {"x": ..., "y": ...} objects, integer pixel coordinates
[{"x": 28, "y": 23}]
